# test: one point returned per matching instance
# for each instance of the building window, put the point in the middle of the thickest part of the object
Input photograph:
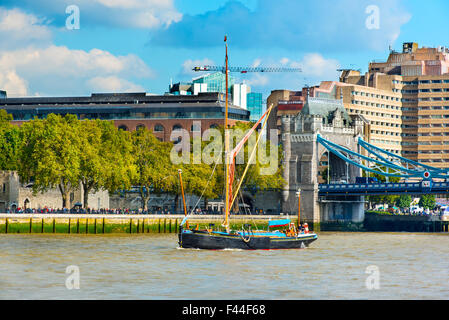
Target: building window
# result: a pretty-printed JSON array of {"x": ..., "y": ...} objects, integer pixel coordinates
[
  {"x": 123, "y": 127},
  {"x": 158, "y": 128},
  {"x": 195, "y": 127},
  {"x": 177, "y": 127}
]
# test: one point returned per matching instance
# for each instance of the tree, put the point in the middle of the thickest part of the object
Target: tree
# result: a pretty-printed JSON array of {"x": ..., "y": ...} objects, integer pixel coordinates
[
  {"x": 386, "y": 199},
  {"x": 9, "y": 142},
  {"x": 50, "y": 154},
  {"x": 404, "y": 201},
  {"x": 105, "y": 157},
  {"x": 427, "y": 201},
  {"x": 154, "y": 171},
  {"x": 199, "y": 179},
  {"x": 265, "y": 171},
  {"x": 197, "y": 175}
]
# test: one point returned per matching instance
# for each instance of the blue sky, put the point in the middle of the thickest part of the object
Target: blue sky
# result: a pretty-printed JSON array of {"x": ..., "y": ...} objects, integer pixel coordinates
[{"x": 139, "y": 45}]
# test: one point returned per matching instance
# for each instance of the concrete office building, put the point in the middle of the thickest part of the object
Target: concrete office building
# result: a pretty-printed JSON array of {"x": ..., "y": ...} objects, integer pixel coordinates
[
  {"x": 419, "y": 78},
  {"x": 404, "y": 102}
]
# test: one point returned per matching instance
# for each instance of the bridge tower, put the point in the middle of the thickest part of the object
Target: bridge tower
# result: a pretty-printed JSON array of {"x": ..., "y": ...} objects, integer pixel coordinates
[{"x": 301, "y": 163}]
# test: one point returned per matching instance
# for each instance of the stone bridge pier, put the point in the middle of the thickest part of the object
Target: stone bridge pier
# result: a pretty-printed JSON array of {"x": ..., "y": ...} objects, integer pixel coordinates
[{"x": 303, "y": 165}]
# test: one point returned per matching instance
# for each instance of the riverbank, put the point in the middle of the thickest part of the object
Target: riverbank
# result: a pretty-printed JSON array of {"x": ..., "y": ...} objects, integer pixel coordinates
[
  {"x": 408, "y": 223},
  {"x": 379, "y": 222},
  {"x": 157, "y": 223},
  {"x": 99, "y": 224}
]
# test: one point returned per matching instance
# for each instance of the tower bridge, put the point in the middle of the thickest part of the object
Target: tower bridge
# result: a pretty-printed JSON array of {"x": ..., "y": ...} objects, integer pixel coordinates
[{"x": 324, "y": 131}]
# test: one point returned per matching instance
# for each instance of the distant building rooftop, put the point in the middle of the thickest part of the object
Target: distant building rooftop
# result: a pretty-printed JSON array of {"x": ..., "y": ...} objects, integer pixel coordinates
[
  {"x": 124, "y": 106},
  {"x": 325, "y": 108}
]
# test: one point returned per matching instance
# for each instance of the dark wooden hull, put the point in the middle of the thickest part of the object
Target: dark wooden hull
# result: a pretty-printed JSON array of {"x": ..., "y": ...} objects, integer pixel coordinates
[{"x": 205, "y": 240}]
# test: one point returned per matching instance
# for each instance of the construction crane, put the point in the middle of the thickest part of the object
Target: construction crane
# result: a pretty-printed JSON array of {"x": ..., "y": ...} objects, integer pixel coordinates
[{"x": 246, "y": 69}]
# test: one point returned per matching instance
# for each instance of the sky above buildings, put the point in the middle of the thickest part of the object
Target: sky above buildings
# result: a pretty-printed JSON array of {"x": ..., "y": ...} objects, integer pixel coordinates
[{"x": 141, "y": 45}]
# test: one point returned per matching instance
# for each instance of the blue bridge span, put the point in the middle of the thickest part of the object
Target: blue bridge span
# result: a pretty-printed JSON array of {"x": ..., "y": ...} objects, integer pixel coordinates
[
  {"x": 398, "y": 188},
  {"x": 416, "y": 178}
]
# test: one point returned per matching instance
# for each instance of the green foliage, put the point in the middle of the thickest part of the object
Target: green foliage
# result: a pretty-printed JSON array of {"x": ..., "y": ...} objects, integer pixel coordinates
[
  {"x": 404, "y": 201},
  {"x": 154, "y": 171},
  {"x": 106, "y": 160},
  {"x": 50, "y": 154},
  {"x": 64, "y": 152},
  {"x": 383, "y": 213},
  {"x": 265, "y": 171},
  {"x": 9, "y": 142},
  {"x": 390, "y": 199},
  {"x": 427, "y": 201}
]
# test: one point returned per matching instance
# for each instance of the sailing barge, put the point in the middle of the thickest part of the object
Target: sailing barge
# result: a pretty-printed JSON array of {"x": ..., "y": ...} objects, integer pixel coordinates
[
  {"x": 243, "y": 239},
  {"x": 280, "y": 234}
]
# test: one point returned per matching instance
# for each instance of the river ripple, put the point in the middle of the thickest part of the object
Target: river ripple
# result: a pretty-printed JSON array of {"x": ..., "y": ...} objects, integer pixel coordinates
[{"x": 149, "y": 266}]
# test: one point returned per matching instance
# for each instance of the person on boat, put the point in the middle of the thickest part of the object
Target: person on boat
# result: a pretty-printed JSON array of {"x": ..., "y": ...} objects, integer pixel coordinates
[
  {"x": 291, "y": 230},
  {"x": 306, "y": 228}
]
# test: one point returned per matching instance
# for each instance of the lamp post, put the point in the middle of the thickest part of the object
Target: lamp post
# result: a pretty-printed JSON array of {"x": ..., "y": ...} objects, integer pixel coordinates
[{"x": 298, "y": 194}]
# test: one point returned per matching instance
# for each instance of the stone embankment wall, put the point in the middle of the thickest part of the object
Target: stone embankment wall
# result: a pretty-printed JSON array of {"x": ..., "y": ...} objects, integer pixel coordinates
[{"x": 98, "y": 224}]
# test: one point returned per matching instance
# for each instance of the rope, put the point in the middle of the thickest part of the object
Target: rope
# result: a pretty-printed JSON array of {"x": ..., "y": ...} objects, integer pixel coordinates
[
  {"x": 246, "y": 240},
  {"x": 251, "y": 157}
]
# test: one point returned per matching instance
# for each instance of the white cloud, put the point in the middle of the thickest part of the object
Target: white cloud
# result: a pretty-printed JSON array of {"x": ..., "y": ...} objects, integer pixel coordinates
[
  {"x": 256, "y": 63},
  {"x": 59, "y": 60},
  {"x": 21, "y": 29},
  {"x": 59, "y": 69},
  {"x": 309, "y": 26},
  {"x": 12, "y": 83},
  {"x": 257, "y": 79},
  {"x": 113, "y": 84},
  {"x": 315, "y": 65},
  {"x": 146, "y": 14},
  {"x": 143, "y": 13},
  {"x": 28, "y": 69},
  {"x": 284, "y": 61}
]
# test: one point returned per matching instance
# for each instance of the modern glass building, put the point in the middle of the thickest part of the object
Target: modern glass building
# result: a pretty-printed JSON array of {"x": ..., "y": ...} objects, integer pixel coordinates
[
  {"x": 254, "y": 105},
  {"x": 240, "y": 94},
  {"x": 216, "y": 82}
]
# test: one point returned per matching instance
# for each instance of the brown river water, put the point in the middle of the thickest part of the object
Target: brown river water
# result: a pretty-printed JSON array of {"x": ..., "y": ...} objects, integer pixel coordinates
[{"x": 149, "y": 266}]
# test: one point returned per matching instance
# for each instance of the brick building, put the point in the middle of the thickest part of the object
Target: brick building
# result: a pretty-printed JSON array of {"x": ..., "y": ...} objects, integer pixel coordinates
[{"x": 160, "y": 113}]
